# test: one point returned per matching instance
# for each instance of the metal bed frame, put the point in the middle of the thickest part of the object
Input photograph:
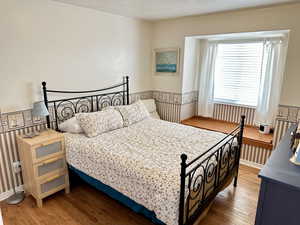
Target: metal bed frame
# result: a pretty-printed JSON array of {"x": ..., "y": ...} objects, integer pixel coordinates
[{"x": 201, "y": 178}]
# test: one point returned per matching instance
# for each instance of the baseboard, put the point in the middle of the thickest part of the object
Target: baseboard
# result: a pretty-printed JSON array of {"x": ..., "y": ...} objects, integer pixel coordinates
[
  {"x": 7, "y": 194},
  {"x": 251, "y": 164}
]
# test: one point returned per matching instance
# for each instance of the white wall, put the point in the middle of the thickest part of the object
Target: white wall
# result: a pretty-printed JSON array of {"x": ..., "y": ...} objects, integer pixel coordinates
[
  {"x": 78, "y": 48},
  {"x": 69, "y": 47},
  {"x": 171, "y": 33}
]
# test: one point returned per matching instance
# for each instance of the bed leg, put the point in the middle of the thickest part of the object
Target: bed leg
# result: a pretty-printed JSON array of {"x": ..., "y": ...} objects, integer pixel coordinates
[
  {"x": 237, "y": 168},
  {"x": 235, "y": 180},
  {"x": 239, "y": 148}
]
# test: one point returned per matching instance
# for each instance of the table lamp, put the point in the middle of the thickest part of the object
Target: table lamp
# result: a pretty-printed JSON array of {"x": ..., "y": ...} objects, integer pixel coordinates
[{"x": 39, "y": 110}]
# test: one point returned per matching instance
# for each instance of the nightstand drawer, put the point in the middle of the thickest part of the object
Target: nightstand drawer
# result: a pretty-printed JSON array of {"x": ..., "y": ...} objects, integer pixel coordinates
[
  {"x": 47, "y": 150},
  {"x": 49, "y": 166},
  {"x": 53, "y": 184}
]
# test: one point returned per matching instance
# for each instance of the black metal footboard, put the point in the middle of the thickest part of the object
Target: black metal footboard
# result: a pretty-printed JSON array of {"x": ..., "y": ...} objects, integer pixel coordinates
[{"x": 209, "y": 173}]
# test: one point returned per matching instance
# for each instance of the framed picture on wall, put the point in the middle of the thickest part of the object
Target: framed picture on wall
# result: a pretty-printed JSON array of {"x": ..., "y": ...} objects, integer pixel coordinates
[{"x": 166, "y": 61}]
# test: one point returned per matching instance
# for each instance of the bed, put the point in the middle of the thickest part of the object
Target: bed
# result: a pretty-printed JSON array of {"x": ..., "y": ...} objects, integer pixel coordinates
[{"x": 171, "y": 172}]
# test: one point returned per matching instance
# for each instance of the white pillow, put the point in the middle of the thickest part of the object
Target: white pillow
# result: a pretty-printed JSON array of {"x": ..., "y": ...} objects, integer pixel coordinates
[
  {"x": 149, "y": 104},
  {"x": 71, "y": 126},
  {"x": 133, "y": 113},
  {"x": 100, "y": 122},
  {"x": 151, "y": 107},
  {"x": 155, "y": 115}
]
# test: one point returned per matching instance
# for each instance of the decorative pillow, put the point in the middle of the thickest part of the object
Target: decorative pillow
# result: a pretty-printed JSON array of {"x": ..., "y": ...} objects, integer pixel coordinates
[
  {"x": 133, "y": 113},
  {"x": 100, "y": 122},
  {"x": 71, "y": 126}
]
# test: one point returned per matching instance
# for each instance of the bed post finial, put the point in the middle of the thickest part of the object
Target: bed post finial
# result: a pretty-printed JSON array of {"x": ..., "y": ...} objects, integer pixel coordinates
[
  {"x": 243, "y": 117},
  {"x": 46, "y": 101},
  {"x": 183, "y": 158},
  {"x": 242, "y": 125},
  {"x": 182, "y": 187}
]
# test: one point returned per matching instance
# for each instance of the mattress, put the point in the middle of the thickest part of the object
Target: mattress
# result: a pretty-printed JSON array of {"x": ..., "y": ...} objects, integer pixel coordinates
[{"x": 141, "y": 161}]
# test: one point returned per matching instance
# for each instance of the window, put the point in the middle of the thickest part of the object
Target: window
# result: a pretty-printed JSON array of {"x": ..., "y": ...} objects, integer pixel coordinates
[{"x": 238, "y": 68}]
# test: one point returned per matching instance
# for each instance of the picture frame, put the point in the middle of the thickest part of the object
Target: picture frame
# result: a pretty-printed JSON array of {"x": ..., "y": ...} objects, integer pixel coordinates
[{"x": 166, "y": 61}]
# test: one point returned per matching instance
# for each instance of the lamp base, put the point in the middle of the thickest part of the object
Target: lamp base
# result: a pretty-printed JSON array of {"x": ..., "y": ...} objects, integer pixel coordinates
[
  {"x": 16, "y": 198},
  {"x": 31, "y": 135}
]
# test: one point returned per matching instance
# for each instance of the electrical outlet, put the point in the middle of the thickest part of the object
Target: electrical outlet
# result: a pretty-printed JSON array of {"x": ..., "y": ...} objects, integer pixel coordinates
[{"x": 17, "y": 167}]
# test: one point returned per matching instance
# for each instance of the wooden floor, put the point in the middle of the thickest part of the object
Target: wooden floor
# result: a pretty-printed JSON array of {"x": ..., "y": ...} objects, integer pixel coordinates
[{"x": 87, "y": 206}]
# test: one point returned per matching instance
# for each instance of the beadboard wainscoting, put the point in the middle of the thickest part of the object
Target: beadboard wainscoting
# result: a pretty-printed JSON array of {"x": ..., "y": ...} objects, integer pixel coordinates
[
  {"x": 168, "y": 105},
  {"x": 175, "y": 107},
  {"x": 280, "y": 129},
  {"x": 233, "y": 113},
  {"x": 12, "y": 124},
  {"x": 169, "y": 111},
  {"x": 255, "y": 155},
  {"x": 8, "y": 155}
]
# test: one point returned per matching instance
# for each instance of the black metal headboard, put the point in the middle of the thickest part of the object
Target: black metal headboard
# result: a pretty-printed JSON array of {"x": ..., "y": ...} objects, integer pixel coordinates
[{"x": 65, "y": 108}]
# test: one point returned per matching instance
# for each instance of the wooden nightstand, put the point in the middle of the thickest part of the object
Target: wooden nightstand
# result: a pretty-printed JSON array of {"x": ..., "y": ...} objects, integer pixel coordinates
[{"x": 43, "y": 164}]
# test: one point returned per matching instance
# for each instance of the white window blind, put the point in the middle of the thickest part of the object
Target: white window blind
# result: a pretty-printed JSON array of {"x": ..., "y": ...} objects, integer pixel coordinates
[{"x": 237, "y": 73}]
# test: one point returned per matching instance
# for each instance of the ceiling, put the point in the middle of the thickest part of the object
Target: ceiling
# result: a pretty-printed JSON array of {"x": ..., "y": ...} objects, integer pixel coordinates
[{"x": 163, "y": 9}]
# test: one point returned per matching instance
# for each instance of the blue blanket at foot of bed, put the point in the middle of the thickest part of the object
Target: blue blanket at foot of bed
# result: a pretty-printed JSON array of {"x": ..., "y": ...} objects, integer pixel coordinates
[{"x": 117, "y": 196}]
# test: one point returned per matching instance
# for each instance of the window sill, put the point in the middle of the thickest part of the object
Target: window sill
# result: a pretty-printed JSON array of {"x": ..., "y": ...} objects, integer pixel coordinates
[
  {"x": 251, "y": 134},
  {"x": 234, "y": 104}
]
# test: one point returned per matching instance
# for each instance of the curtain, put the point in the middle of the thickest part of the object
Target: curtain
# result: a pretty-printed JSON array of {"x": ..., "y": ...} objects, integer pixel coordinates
[
  {"x": 273, "y": 64},
  {"x": 192, "y": 58},
  {"x": 206, "y": 81}
]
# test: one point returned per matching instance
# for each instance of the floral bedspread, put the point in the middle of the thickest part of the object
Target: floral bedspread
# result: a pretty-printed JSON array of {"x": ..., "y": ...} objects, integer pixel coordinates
[{"x": 141, "y": 161}]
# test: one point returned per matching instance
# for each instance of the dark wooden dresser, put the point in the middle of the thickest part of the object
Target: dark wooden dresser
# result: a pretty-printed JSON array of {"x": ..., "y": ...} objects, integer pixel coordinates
[{"x": 279, "y": 197}]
